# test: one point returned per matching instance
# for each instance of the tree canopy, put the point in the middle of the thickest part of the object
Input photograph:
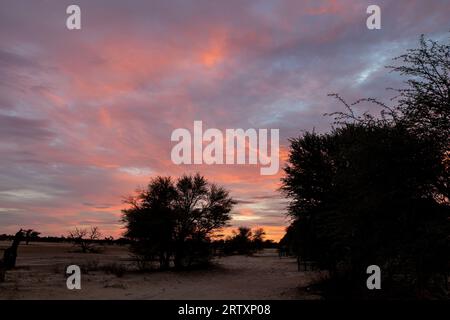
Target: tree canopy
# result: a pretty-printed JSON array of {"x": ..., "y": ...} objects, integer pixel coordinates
[
  {"x": 375, "y": 190},
  {"x": 176, "y": 218}
]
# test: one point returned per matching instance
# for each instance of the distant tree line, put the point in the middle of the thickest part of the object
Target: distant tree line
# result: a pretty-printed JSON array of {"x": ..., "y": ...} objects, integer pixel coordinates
[
  {"x": 375, "y": 190},
  {"x": 244, "y": 241},
  {"x": 27, "y": 234},
  {"x": 67, "y": 239}
]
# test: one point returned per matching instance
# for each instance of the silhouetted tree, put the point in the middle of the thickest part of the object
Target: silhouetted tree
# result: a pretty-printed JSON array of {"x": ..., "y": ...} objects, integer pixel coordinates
[
  {"x": 176, "y": 219},
  {"x": 244, "y": 241},
  {"x": 86, "y": 240},
  {"x": 31, "y": 234},
  {"x": 376, "y": 190},
  {"x": 425, "y": 102},
  {"x": 292, "y": 239},
  {"x": 258, "y": 238},
  {"x": 150, "y": 221}
]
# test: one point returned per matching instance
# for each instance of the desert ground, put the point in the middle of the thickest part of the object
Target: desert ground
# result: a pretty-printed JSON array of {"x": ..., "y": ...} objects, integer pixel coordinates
[{"x": 40, "y": 274}]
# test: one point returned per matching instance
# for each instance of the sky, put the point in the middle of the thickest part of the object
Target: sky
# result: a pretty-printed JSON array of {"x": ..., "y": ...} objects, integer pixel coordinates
[{"x": 86, "y": 115}]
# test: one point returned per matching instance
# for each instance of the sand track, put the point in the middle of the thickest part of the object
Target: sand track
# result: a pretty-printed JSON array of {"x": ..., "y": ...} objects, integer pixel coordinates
[{"x": 40, "y": 274}]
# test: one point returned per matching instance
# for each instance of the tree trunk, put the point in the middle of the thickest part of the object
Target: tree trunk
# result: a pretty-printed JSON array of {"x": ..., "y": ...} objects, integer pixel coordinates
[
  {"x": 179, "y": 255},
  {"x": 2, "y": 271}
]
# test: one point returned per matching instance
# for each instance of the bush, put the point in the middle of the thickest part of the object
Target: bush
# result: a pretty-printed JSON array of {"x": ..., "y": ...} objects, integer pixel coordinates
[{"x": 114, "y": 268}]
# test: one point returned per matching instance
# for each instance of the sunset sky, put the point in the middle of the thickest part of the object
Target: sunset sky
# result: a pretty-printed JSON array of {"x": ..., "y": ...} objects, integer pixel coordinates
[{"x": 86, "y": 115}]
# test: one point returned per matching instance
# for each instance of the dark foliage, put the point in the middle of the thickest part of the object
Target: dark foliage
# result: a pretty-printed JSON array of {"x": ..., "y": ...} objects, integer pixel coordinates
[
  {"x": 175, "y": 219},
  {"x": 245, "y": 241},
  {"x": 376, "y": 190}
]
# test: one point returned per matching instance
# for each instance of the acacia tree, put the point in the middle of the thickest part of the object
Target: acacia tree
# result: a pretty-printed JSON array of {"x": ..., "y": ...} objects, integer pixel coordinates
[
  {"x": 376, "y": 190},
  {"x": 258, "y": 238},
  {"x": 31, "y": 234},
  {"x": 244, "y": 241},
  {"x": 176, "y": 219},
  {"x": 86, "y": 239},
  {"x": 425, "y": 102},
  {"x": 150, "y": 221},
  {"x": 375, "y": 206}
]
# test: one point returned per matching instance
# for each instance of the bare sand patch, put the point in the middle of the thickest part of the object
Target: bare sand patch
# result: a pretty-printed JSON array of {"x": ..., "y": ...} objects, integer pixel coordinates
[{"x": 40, "y": 274}]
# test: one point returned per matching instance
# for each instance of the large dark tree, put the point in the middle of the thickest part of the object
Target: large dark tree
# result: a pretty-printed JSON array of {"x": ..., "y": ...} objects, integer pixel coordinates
[
  {"x": 150, "y": 222},
  {"x": 376, "y": 190},
  {"x": 425, "y": 102},
  {"x": 258, "y": 238},
  {"x": 176, "y": 219}
]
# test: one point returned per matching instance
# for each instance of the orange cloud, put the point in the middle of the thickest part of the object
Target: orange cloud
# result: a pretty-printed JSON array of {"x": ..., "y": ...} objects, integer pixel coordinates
[{"x": 215, "y": 51}]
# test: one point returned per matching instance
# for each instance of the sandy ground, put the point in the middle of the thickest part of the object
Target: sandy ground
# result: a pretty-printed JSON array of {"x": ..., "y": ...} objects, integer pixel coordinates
[{"x": 40, "y": 274}]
